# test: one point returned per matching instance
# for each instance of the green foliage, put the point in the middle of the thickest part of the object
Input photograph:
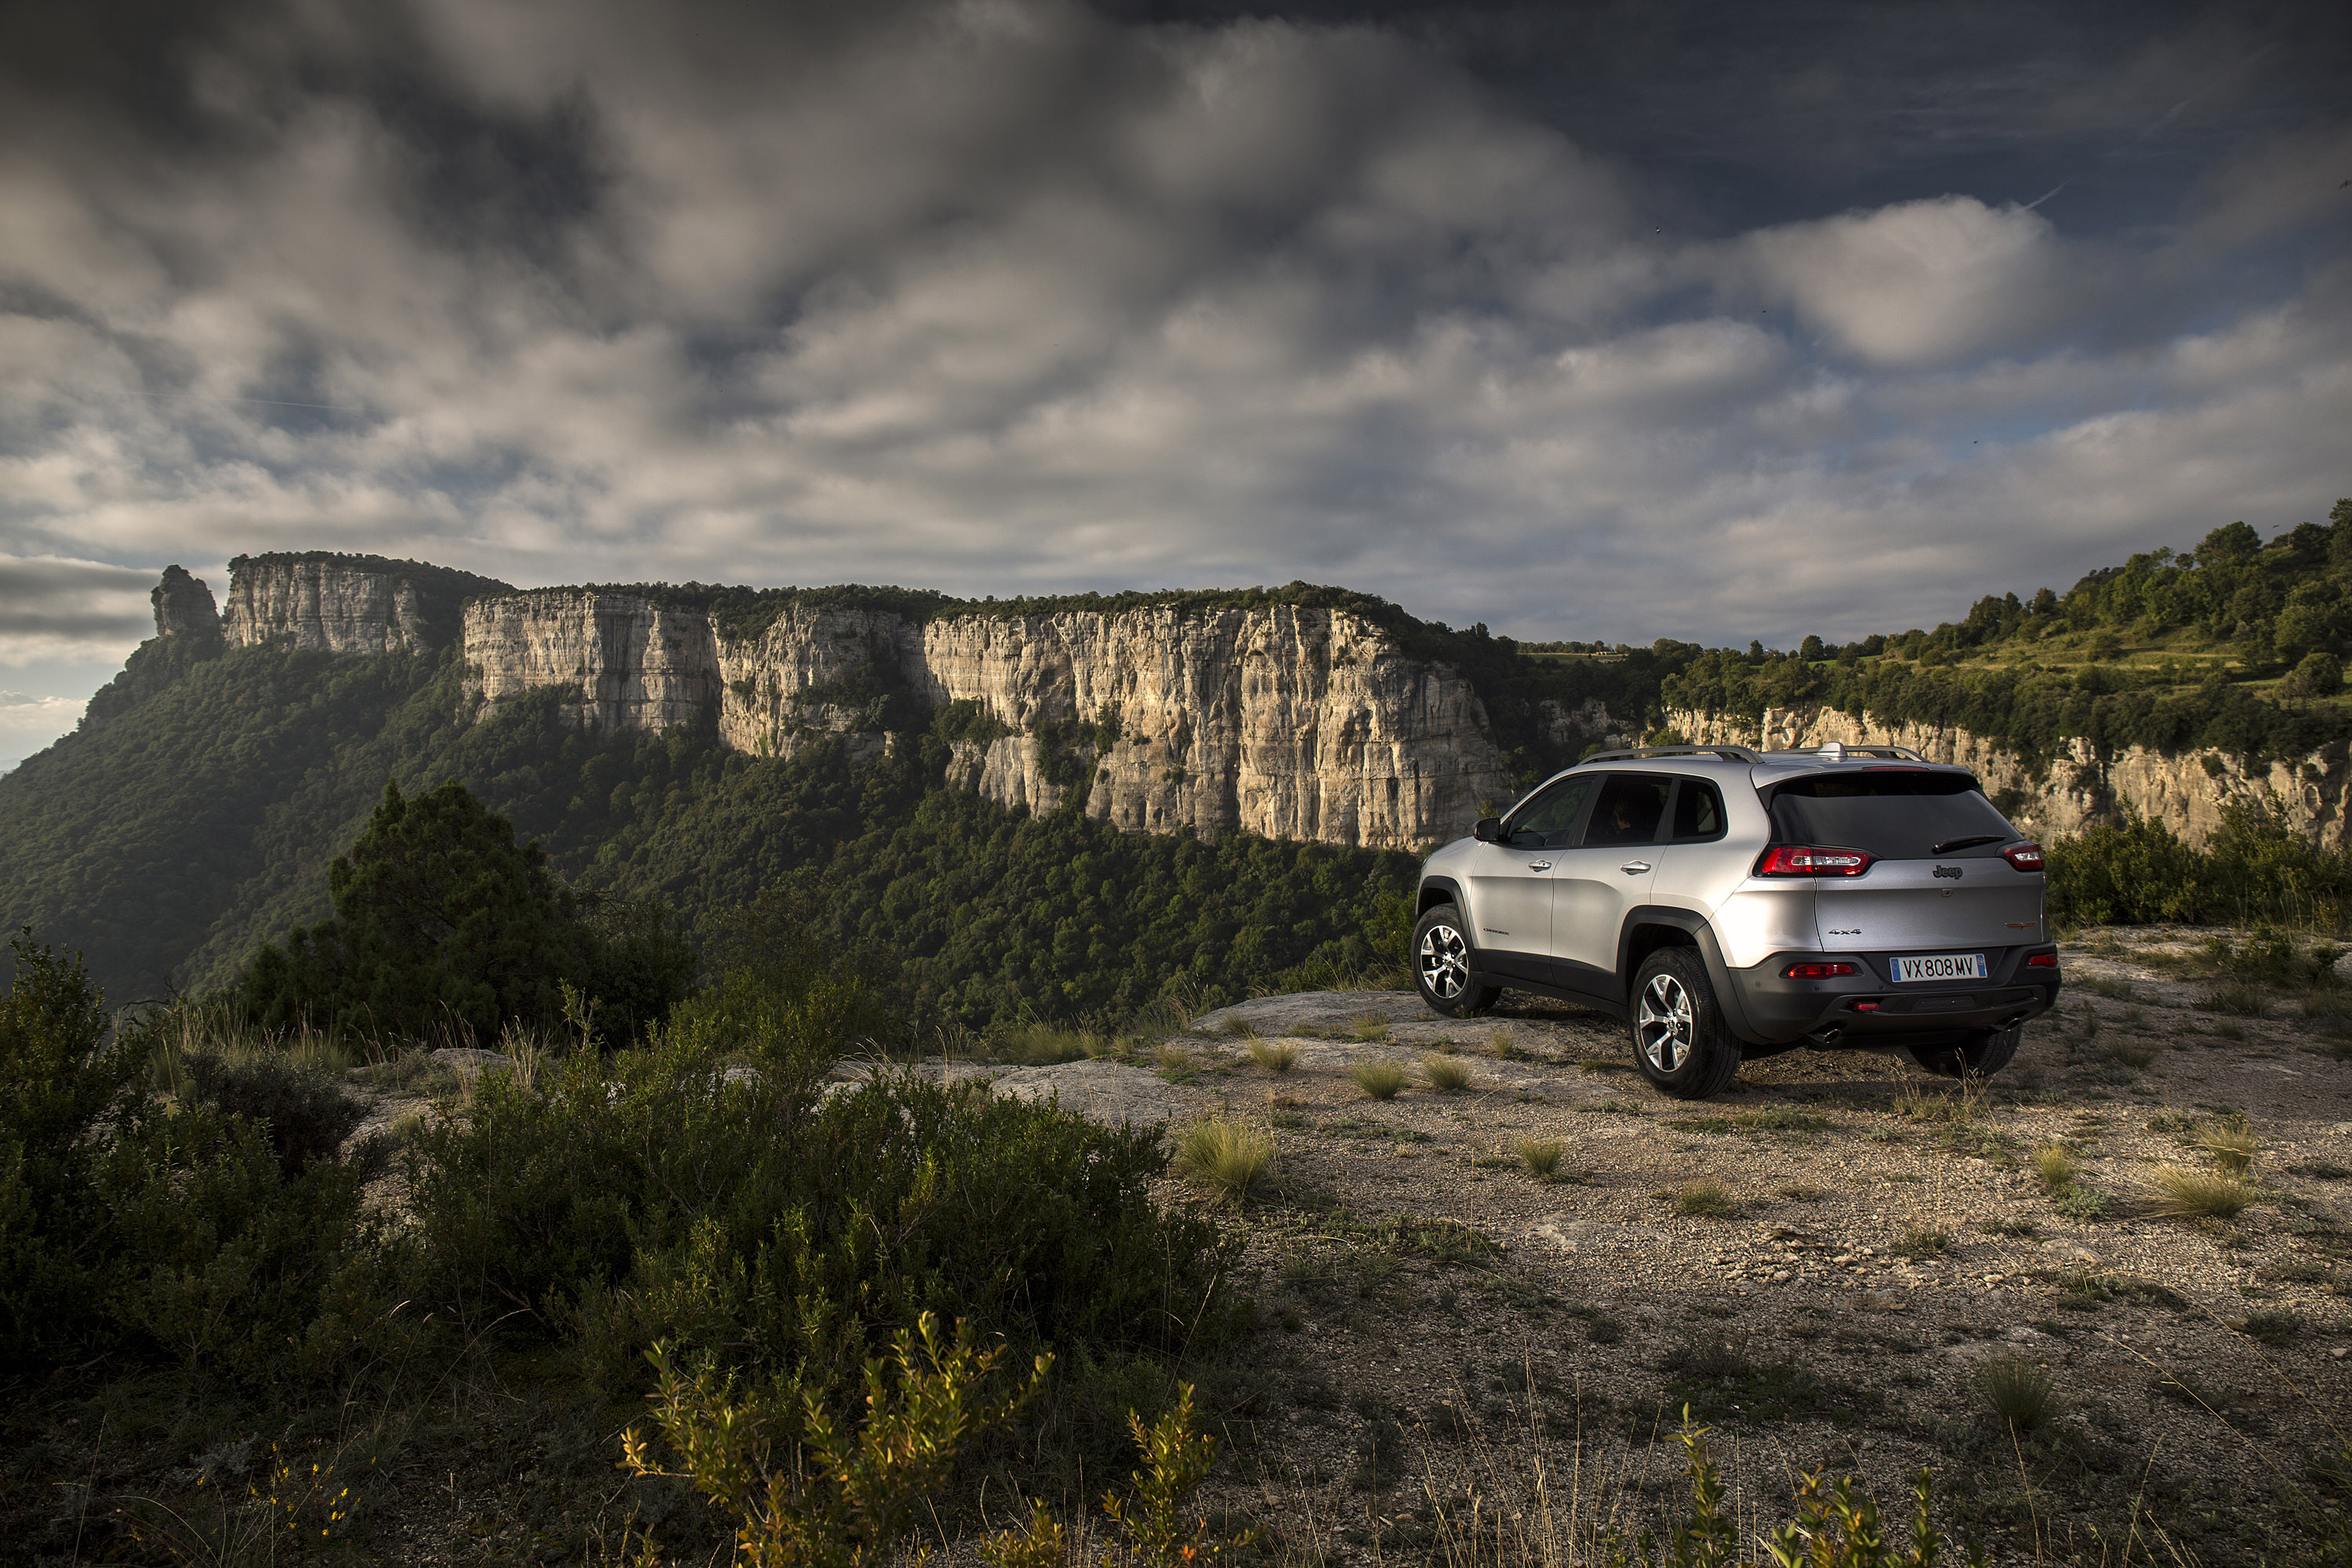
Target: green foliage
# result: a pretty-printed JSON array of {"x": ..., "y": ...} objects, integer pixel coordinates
[
  {"x": 304, "y": 1113},
  {"x": 442, "y": 918},
  {"x": 1163, "y": 1529},
  {"x": 2286, "y": 604},
  {"x": 1380, "y": 1079},
  {"x": 2255, "y": 871},
  {"x": 1229, "y": 1158},
  {"x": 698, "y": 1191},
  {"x": 2023, "y": 1394},
  {"x": 806, "y": 1491}
]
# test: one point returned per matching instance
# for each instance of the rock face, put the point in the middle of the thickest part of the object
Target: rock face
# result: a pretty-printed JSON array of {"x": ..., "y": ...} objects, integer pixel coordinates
[
  {"x": 1282, "y": 720},
  {"x": 347, "y": 604},
  {"x": 2076, "y": 790},
  {"x": 184, "y": 608}
]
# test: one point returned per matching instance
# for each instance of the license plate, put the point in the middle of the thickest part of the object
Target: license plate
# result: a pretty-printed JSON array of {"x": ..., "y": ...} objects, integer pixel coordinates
[{"x": 1943, "y": 966}]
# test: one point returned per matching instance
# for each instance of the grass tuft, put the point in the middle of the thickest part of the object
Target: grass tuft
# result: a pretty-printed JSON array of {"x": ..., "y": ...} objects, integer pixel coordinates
[
  {"x": 2233, "y": 1145},
  {"x": 2240, "y": 997},
  {"x": 2054, "y": 1163},
  {"x": 1370, "y": 1027},
  {"x": 1705, "y": 1200},
  {"x": 1447, "y": 1074},
  {"x": 2182, "y": 1192},
  {"x": 1542, "y": 1156},
  {"x": 1381, "y": 1080},
  {"x": 1273, "y": 1057},
  {"x": 2022, "y": 1394},
  {"x": 1920, "y": 1241},
  {"x": 2274, "y": 1326},
  {"x": 1227, "y": 1157}
]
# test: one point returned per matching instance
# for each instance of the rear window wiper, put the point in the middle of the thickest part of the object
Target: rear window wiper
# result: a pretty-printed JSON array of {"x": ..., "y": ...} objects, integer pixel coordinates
[{"x": 1948, "y": 845}]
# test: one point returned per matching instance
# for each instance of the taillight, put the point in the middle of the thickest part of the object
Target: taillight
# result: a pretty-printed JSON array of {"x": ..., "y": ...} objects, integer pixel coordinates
[
  {"x": 1798, "y": 861},
  {"x": 2041, "y": 960},
  {"x": 1818, "y": 971},
  {"x": 2024, "y": 857}
]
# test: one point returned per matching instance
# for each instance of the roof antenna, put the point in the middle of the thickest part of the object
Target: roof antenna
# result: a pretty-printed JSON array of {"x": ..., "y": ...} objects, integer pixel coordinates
[{"x": 1834, "y": 751}]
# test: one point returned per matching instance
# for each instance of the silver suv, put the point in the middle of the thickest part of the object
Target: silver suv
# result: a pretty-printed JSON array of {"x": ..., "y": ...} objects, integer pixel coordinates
[{"x": 1732, "y": 904}]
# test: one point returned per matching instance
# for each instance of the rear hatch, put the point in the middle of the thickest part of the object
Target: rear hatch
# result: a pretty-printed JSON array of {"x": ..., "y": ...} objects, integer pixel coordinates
[{"x": 1938, "y": 883}]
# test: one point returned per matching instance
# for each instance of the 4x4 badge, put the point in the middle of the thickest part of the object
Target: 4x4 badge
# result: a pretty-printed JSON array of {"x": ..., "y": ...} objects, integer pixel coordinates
[{"x": 1952, "y": 871}]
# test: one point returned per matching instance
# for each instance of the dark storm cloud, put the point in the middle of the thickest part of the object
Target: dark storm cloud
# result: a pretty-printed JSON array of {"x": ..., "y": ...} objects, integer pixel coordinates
[
  {"x": 1580, "y": 321},
  {"x": 54, "y": 605}
]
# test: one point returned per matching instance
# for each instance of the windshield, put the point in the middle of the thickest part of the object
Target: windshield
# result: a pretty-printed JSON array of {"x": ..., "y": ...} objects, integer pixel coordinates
[{"x": 1894, "y": 814}]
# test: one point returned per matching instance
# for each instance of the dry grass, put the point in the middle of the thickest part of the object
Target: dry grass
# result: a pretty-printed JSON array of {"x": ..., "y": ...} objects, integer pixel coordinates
[
  {"x": 1369, "y": 1027},
  {"x": 1542, "y": 1156},
  {"x": 1381, "y": 1080},
  {"x": 1705, "y": 1200},
  {"x": 2233, "y": 1145},
  {"x": 1274, "y": 1055},
  {"x": 2054, "y": 1163},
  {"x": 1447, "y": 1074},
  {"x": 2183, "y": 1191},
  {"x": 1227, "y": 1157},
  {"x": 2023, "y": 1394}
]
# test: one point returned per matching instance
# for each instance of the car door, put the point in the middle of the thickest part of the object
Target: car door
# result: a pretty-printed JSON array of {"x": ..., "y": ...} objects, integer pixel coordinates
[
  {"x": 1605, "y": 875},
  {"x": 1511, "y": 881}
]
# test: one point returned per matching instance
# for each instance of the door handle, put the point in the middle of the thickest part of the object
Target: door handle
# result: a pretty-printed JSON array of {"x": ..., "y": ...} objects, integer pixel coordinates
[
  {"x": 1634, "y": 868},
  {"x": 1539, "y": 865}
]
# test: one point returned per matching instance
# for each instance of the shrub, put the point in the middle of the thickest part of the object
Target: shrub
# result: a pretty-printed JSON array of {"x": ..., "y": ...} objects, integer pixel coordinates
[
  {"x": 1274, "y": 1057},
  {"x": 307, "y": 1115},
  {"x": 2022, "y": 1394},
  {"x": 654, "y": 1196},
  {"x": 1228, "y": 1157},
  {"x": 2274, "y": 1325},
  {"x": 2183, "y": 1193},
  {"x": 1381, "y": 1080},
  {"x": 2084, "y": 1204},
  {"x": 1706, "y": 1200},
  {"x": 1447, "y": 1074},
  {"x": 1542, "y": 1156}
]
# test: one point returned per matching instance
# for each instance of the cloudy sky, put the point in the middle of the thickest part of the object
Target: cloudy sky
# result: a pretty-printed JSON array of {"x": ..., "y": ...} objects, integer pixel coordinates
[{"x": 1708, "y": 319}]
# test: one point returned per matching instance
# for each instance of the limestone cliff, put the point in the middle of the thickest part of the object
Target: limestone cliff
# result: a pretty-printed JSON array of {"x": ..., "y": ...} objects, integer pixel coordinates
[
  {"x": 347, "y": 604},
  {"x": 1282, "y": 721},
  {"x": 184, "y": 608},
  {"x": 2076, "y": 789}
]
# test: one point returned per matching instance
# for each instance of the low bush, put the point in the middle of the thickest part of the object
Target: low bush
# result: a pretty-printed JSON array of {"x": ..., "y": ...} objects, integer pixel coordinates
[
  {"x": 307, "y": 1113},
  {"x": 655, "y": 1196}
]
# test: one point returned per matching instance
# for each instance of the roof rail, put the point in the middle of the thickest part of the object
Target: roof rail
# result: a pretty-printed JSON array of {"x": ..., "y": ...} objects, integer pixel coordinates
[
  {"x": 1836, "y": 753},
  {"x": 1728, "y": 753}
]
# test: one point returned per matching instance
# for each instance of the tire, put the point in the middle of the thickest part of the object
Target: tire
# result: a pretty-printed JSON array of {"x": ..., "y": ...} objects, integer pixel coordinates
[
  {"x": 1982, "y": 1054},
  {"x": 1443, "y": 958},
  {"x": 1679, "y": 1040}
]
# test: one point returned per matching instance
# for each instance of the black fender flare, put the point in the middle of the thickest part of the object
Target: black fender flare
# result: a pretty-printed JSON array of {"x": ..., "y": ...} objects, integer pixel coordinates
[
  {"x": 1718, "y": 974},
  {"x": 1444, "y": 886}
]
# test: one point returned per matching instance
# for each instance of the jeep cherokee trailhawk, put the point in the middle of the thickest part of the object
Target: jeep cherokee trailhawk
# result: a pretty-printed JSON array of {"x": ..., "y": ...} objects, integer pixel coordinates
[{"x": 1730, "y": 903}]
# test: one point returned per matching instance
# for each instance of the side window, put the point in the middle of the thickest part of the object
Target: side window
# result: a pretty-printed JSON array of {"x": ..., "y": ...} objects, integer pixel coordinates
[
  {"x": 1699, "y": 812},
  {"x": 1548, "y": 821},
  {"x": 1630, "y": 809}
]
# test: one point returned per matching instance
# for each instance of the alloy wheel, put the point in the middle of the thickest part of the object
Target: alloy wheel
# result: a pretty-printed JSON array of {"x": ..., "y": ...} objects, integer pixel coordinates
[
  {"x": 1444, "y": 963},
  {"x": 1666, "y": 1022}
]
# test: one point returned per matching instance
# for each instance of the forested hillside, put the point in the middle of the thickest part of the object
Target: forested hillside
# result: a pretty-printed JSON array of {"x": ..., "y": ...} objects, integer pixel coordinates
[
  {"x": 2235, "y": 646},
  {"x": 194, "y": 817}
]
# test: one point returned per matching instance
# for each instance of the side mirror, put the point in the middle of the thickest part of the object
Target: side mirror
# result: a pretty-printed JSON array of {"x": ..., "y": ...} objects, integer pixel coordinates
[{"x": 1488, "y": 830}]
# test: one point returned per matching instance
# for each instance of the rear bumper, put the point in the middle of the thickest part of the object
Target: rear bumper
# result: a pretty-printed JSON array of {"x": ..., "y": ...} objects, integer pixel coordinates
[{"x": 1870, "y": 1007}]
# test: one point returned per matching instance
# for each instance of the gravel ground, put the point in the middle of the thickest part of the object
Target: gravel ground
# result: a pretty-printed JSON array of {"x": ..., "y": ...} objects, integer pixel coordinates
[{"x": 1883, "y": 1234}]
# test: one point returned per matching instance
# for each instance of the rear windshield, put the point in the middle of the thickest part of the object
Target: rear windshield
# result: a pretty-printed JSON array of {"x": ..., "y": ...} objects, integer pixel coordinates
[{"x": 1894, "y": 814}]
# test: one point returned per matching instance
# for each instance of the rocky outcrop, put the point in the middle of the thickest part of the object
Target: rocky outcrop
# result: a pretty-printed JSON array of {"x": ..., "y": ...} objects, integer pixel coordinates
[
  {"x": 348, "y": 603},
  {"x": 184, "y": 608},
  {"x": 1282, "y": 721},
  {"x": 2077, "y": 788}
]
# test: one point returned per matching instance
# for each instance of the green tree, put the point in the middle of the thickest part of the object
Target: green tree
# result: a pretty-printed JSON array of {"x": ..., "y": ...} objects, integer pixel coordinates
[{"x": 441, "y": 918}]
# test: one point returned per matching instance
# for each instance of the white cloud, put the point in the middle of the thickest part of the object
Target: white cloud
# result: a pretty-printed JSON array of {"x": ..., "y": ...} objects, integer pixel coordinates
[
  {"x": 1002, "y": 296},
  {"x": 29, "y": 724}
]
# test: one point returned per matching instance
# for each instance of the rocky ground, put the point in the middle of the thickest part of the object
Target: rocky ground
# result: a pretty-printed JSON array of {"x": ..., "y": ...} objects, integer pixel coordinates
[
  {"x": 1821, "y": 1264},
  {"x": 1825, "y": 1265}
]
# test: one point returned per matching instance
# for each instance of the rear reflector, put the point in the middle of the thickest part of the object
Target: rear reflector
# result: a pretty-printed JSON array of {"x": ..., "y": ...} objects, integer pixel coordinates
[
  {"x": 2024, "y": 857},
  {"x": 1799, "y": 860},
  {"x": 1817, "y": 971},
  {"x": 1865, "y": 1006},
  {"x": 2042, "y": 960}
]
